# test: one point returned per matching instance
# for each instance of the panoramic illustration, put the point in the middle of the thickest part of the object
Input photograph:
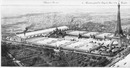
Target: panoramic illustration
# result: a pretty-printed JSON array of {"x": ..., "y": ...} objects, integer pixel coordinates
[{"x": 59, "y": 33}]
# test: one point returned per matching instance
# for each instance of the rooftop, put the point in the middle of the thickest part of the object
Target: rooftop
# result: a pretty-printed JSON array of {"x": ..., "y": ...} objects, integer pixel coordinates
[
  {"x": 40, "y": 31},
  {"x": 84, "y": 45}
]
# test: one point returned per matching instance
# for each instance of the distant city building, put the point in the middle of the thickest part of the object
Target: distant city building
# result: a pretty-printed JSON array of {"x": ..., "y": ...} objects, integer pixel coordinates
[{"x": 40, "y": 32}]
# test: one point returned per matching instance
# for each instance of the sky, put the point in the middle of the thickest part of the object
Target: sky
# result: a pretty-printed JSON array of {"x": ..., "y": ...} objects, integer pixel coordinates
[{"x": 20, "y": 7}]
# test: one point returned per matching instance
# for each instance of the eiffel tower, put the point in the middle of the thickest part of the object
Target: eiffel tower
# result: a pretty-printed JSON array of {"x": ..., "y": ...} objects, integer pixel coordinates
[{"x": 119, "y": 32}]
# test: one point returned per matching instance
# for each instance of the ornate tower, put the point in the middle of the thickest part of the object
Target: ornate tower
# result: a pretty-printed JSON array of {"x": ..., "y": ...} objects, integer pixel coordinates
[{"x": 119, "y": 32}]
